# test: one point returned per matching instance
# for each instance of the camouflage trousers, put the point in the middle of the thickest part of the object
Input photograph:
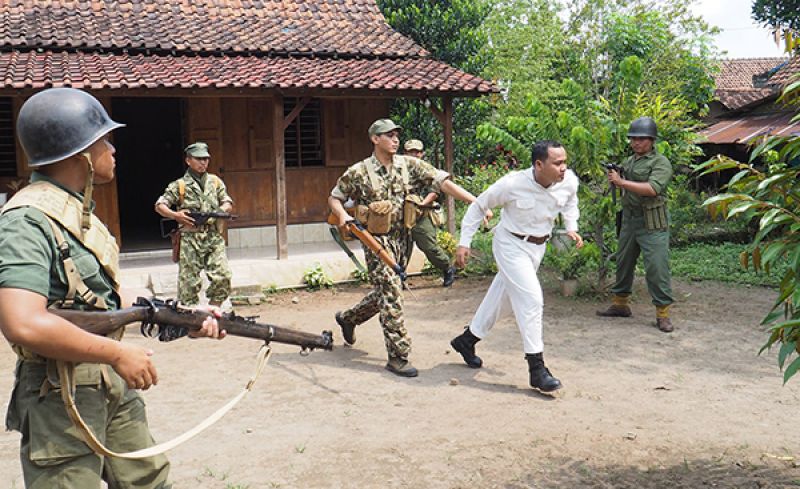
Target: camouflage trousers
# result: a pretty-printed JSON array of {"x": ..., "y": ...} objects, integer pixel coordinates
[
  {"x": 203, "y": 251},
  {"x": 52, "y": 452},
  {"x": 386, "y": 298}
]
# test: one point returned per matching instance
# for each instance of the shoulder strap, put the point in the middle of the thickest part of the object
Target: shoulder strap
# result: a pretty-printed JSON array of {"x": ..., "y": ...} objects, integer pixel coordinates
[
  {"x": 181, "y": 192},
  {"x": 75, "y": 284}
]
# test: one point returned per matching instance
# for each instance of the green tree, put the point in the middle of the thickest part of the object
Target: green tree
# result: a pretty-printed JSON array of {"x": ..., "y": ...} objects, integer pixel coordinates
[
  {"x": 770, "y": 194},
  {"x": 610, "y": 61},
  {"x": 452, "y": 31},
  {"x": 774, "y": 13}
]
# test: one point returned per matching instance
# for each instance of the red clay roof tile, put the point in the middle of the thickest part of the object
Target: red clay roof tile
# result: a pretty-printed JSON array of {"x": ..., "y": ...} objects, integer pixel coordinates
[{"x": 32, "y": 69}]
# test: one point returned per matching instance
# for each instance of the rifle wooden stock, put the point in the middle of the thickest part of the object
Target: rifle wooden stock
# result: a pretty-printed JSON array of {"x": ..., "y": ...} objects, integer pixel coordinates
[
  {"x": 357, "y": 229},
  {"x": 167, "y": 314}
]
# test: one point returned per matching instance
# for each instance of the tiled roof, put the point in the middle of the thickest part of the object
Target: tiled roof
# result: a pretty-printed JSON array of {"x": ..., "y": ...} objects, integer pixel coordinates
[
  {"x": 737, "y": 74},
  {"x": 788, "y": 73},
  {"x": 322, "y": 27},
  {"x": 94, "y": 71},
  {"x": 750, "y": 128},
  {"x": 734, "y": 83}
]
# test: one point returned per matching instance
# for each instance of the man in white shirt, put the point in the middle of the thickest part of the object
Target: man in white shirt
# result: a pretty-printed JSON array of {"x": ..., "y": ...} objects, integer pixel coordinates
[{"x": 531, "y": 201}]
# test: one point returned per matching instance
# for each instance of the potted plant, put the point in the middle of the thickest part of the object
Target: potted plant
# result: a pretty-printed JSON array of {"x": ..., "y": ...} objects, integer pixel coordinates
[{"x": 570, "y": 263}]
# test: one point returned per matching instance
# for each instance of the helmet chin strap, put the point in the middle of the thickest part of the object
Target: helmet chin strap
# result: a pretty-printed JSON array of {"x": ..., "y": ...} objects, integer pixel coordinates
[{"x": 86, "y": 221}]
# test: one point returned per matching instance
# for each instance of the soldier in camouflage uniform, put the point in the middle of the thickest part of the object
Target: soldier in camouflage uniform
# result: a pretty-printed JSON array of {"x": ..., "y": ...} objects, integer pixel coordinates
[
  {"x": 202, "y": 247},
  {"x": 425, "y": 231},
  {"x": 54, "y": 252},
  {"x": 386, "y": 176}
]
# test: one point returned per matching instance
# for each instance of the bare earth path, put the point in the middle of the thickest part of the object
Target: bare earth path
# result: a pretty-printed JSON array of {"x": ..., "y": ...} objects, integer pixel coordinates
[{"x": 641, "y": 409}]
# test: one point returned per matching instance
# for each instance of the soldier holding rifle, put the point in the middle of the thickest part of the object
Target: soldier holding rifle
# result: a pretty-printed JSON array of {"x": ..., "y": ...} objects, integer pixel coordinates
[
  {"x": 55, "y": 253},
  {"x": 645, "y": 224},
  {"x": 379, "y": 186},
  {"x": 202, "y": 246}
]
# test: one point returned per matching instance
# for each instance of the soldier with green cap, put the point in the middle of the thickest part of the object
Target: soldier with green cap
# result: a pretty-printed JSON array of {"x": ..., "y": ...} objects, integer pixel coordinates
[
  {"x": 645, "y": 224},
  {"x": 55, "y": 253},
  {"x": 424, "y": 232},
  {"x": 202, "y": 246},
  {"x": 380, "y": 185}
]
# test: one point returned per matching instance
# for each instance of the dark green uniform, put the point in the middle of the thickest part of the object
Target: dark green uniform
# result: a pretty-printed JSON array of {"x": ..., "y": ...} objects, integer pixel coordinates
[
  {"x": 424, "y": 235},
  {"x": 52, "y": 453},
  {"x": 645, "y": 229},
  {"x": 387, "y": 297}
]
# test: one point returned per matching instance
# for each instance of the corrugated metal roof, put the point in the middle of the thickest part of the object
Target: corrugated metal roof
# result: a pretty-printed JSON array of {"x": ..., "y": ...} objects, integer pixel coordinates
[{"x": 745, "y": 129}]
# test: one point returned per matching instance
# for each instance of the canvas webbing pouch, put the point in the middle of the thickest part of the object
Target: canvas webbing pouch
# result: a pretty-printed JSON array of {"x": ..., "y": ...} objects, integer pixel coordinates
[
  {"x": 655, "y": 214},
  {"x": 411, "y": 210},
  {"x": 379, "y": 218}
]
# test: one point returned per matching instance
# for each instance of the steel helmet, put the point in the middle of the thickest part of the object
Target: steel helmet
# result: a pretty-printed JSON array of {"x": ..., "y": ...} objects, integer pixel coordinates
[
  {"x": 643, "y": 127},
  {"x": 57, "y": 123}
]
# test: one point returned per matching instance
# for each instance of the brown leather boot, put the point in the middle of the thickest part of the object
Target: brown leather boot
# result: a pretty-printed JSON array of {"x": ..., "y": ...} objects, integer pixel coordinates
[
  {"x": 615, "y": 311},
  {"x": 665, "y": 325},
  {"x": 348, "y": 329},
  {"x": 401, "y": 366}
]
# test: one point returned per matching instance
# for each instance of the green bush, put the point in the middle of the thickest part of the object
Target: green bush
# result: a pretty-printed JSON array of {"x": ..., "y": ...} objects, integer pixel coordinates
[
  {"x": 316, "y": 278},
  {"x": 572, "y": 262},
  {"x": 722, "y": 262}
]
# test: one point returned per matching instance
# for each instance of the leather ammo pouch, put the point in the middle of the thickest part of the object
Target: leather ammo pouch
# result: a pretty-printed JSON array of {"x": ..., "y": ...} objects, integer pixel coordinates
[
  {"x": 411, "y": 210},
  {"x": 379, "y": 219},
  {"x": 655, "y": 214}
]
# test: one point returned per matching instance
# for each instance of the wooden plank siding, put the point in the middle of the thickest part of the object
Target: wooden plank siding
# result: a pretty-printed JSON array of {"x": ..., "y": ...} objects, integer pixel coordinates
[{"x": 240, "y": 136}]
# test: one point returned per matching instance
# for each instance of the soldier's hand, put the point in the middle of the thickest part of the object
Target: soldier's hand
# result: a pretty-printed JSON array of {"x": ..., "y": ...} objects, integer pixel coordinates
[
  {"x": 462, "y": 255},
  {"x": 345, "y": 218},
  {"x": 135, "y": 366},
  {"x": 614, "y": 178},
  {"x": 183, "y": 218},
  {"x": 487, "y": 217},
  {"x": 210, "y": 327}
]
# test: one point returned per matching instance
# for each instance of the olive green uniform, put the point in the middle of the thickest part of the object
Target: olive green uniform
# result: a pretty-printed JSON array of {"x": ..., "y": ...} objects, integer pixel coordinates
[
  {"x": 202, "y": 247},
  {"x": 52, "y": 452},
  {"x": 645, "y": 229},
  {"x": 387, "y": 297},
  {"x": 424, "y": 235}
]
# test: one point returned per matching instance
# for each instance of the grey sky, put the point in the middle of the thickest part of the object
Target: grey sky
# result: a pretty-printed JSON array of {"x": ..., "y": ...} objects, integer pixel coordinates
[{"x": 741, "y": 37}]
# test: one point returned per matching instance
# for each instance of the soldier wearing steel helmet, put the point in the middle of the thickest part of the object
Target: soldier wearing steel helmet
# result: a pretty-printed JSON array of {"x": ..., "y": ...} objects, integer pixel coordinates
[
  {"x": 645, "y": 224},
  {"x": 54, "y": 252}
]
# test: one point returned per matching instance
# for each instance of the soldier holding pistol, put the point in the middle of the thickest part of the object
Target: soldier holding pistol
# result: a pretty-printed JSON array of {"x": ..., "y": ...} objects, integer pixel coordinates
[{"x": 645, "y": 224}]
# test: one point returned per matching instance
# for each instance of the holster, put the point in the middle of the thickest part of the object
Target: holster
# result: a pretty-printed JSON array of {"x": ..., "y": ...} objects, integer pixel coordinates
[
  {"x": 411, "y": 210},
  {"x": 655, "y": 214},
  {"x": 175, "y": 240},
  {"x": 379, "y": 219}
]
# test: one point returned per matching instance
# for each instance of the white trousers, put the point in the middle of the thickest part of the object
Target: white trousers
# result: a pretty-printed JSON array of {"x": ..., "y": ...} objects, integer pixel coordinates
[{"x": 517, "y": 285}]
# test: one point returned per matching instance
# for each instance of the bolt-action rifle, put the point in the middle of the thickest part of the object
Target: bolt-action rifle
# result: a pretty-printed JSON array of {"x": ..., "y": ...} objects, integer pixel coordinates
[
  {"x": 168, "y": 320},
  {"x": 359, "y": 230},
  {"x": 200, "y": 218}
]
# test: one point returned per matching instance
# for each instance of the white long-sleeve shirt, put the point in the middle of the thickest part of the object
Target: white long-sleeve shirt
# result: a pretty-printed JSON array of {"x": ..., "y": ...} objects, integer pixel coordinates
[{"x": 528, "y": 208}]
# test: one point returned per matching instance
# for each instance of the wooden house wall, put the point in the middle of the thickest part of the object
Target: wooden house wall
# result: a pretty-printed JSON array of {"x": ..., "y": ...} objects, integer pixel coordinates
[{"x": 239, "y": 134}]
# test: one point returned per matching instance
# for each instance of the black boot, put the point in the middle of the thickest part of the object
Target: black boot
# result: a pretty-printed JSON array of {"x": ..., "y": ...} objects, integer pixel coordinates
[
  {"x": 540, "y": 377},
  {"x": 465, "y": 345}
]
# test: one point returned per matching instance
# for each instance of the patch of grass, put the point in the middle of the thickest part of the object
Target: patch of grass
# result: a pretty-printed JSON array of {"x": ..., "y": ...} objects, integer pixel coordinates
[{"x": 719, "y": 262}]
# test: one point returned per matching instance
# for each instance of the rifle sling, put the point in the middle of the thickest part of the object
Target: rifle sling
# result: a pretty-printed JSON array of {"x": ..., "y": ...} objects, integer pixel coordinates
[{"x": 67, "y": 380}]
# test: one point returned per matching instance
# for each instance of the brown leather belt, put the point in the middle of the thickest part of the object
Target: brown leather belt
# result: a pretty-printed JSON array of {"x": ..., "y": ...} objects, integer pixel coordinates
[{"x": 532, "y": 239}]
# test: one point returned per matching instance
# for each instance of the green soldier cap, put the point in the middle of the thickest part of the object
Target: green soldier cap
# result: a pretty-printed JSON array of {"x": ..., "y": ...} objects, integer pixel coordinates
[
  {"x": 382, "y": 126},
  {"x": 197, "y": 150},
  {"x": 413, "y": 145}
]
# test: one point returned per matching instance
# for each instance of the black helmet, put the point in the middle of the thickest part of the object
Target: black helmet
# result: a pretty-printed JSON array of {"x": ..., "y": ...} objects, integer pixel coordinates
[
  {"x": 57, "y": 123},
  {"x": 643, "y": 127}
]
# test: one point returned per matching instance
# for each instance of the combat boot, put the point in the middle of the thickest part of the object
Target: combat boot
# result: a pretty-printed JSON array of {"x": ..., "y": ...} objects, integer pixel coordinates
[
  {"x": 663, "y": 322},
  {"x": 348, "y": 329},
  {"x": 449, "y": 277},
  {"x": 619, "y": 308},
  {"x": 465, "y": 345},
  {"x": 540, "y": 377},
  {"x": 401, "y": 366}
]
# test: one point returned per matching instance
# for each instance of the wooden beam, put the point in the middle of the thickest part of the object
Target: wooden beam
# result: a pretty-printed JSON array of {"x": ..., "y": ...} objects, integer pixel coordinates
[
  {"x": 281, "y": 225},
  {"x": 447, "y": 116},
  {"x": 301, "y": 104},
  {"x": 436, "y": 111}
]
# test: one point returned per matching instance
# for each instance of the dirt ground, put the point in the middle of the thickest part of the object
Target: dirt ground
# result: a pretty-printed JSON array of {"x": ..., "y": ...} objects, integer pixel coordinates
[{"x": 640, "y": 409}]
